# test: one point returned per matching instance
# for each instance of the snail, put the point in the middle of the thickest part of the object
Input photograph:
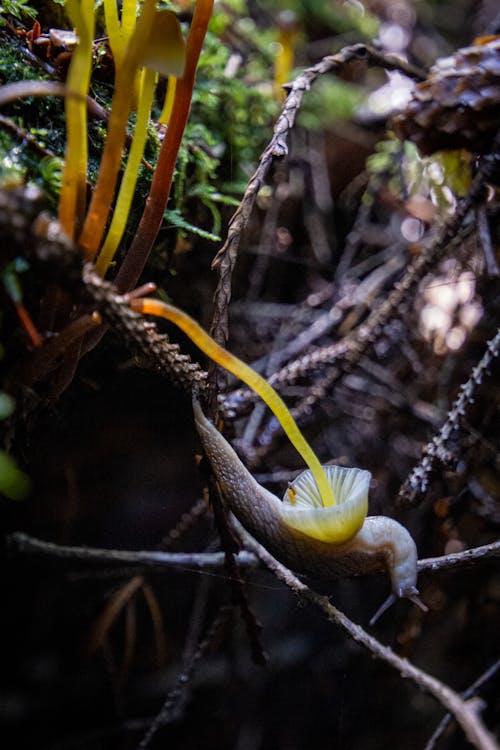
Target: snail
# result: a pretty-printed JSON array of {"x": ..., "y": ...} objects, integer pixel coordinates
[{"x": 320, "y": 528}]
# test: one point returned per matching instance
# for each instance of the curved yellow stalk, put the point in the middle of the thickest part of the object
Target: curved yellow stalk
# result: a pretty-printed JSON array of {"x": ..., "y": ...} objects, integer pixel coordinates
[
  {"x": 129, "y": 12},
  {"x": 74, "y": 178},
  {"x": 129, "y": 179},
  {"x": 245, "y": 373},
  {"x": 114, "y": 31},
  {"x": 119, "y": 33},
  {"x": 169, "y": 101}
]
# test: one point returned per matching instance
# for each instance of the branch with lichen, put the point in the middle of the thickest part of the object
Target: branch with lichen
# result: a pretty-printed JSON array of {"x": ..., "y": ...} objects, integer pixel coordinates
[{"x": 436, "y": 451}]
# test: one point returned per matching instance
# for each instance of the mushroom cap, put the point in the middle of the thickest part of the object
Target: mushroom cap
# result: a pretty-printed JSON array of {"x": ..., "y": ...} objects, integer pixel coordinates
[
  {"x": 302, "y": 508},
  {"x": 165, "y": 50}
]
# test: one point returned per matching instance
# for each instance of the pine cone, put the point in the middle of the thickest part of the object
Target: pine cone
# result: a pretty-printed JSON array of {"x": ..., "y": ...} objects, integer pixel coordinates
[{"x": 458, "y": 106}]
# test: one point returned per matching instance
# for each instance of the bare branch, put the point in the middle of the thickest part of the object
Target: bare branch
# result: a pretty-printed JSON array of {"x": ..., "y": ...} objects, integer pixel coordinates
[
  {"x": 469, "y": 693},
  {"x": 460, "y": 559},
  {"x": 19, "y": 543}
]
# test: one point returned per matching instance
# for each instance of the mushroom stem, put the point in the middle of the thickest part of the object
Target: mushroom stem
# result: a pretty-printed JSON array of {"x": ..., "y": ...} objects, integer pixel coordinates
[
  {"x": 73, "y": 191},
  {"x": 152, "y": 216},
  {"x": 127, "y": 187},
  {"x": 102, "y": 197}
]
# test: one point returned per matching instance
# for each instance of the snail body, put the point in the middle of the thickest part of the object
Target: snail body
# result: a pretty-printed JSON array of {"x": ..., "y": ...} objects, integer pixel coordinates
[
  {"x": 380, "y": 543},
  {"x": 321, "y": 528}
]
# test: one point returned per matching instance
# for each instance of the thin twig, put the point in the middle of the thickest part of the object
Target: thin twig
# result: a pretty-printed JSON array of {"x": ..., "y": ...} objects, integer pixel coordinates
[
  {"x": 348, "y": 351},
  {"x": 435, "y": 451},
  {"x": 469, "y": 693},
  {"x": 177, "y": 694},
  {"x": 277, "y": 149},
  {"x": 19, "y": 543},
  {"x": 459, "y": 559},
  {"x": 484, "y": 234},
  {"x": 465, "y": 712}
]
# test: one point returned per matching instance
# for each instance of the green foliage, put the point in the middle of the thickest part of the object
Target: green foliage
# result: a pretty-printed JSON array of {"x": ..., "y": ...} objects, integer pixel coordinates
[
  {"x": 175, "y": 218},
  {"x": 14, "y": 484},
  {"x": 50, "y": 172},
  {"x": 7, "y": 405},
  {"x": 17, "y": 9},
  {"x": 238, "y": 109},
  {"x": 442, "y": 177},
  {"x": 229, "y": 125},
  {"x": 385, "y": 165},
  {"x": 340, "y": 17}
]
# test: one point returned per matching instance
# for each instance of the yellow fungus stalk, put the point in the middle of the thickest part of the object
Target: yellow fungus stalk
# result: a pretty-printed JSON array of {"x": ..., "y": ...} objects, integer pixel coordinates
[
  {"x": 157, "y": 44},
  {"x": 119, "y": 32},
  {"x": 110, "y": 162},
  {"x": 152, "y": 217},
  {"x": 169, "y": 101},
  {"x": 251, "y": 378},
  {"x": 127, "y": 187},
  {"x": 74, "y": 178},
  {"x": 283, "y": 63},
  {"x": 114, "y": 31}
]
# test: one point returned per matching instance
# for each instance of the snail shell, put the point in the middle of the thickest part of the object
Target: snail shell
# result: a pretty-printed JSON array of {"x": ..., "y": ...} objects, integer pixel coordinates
[{"x": 291, "y": 530}]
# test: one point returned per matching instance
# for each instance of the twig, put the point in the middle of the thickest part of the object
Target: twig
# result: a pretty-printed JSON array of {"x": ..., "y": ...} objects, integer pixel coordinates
[
  {"x": 177, "y": 693},
  {"x": 19, "y": 543},
  {"x": 23, "y": 544},
  {"x": 346, "y": 353},
  {"x": 277, "y": 149},
  {"x": 465, "y": 712},
  {"x": 435, "y": 452},
  {"x": 459, "y": 559},
  {"x": 483, "y": 230},
  {"x": 156, "y": 349},
  {"x": 469, "y": 693},
  {"x": 24, "y": 135},
  {"x": 11, "y": 92}
]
